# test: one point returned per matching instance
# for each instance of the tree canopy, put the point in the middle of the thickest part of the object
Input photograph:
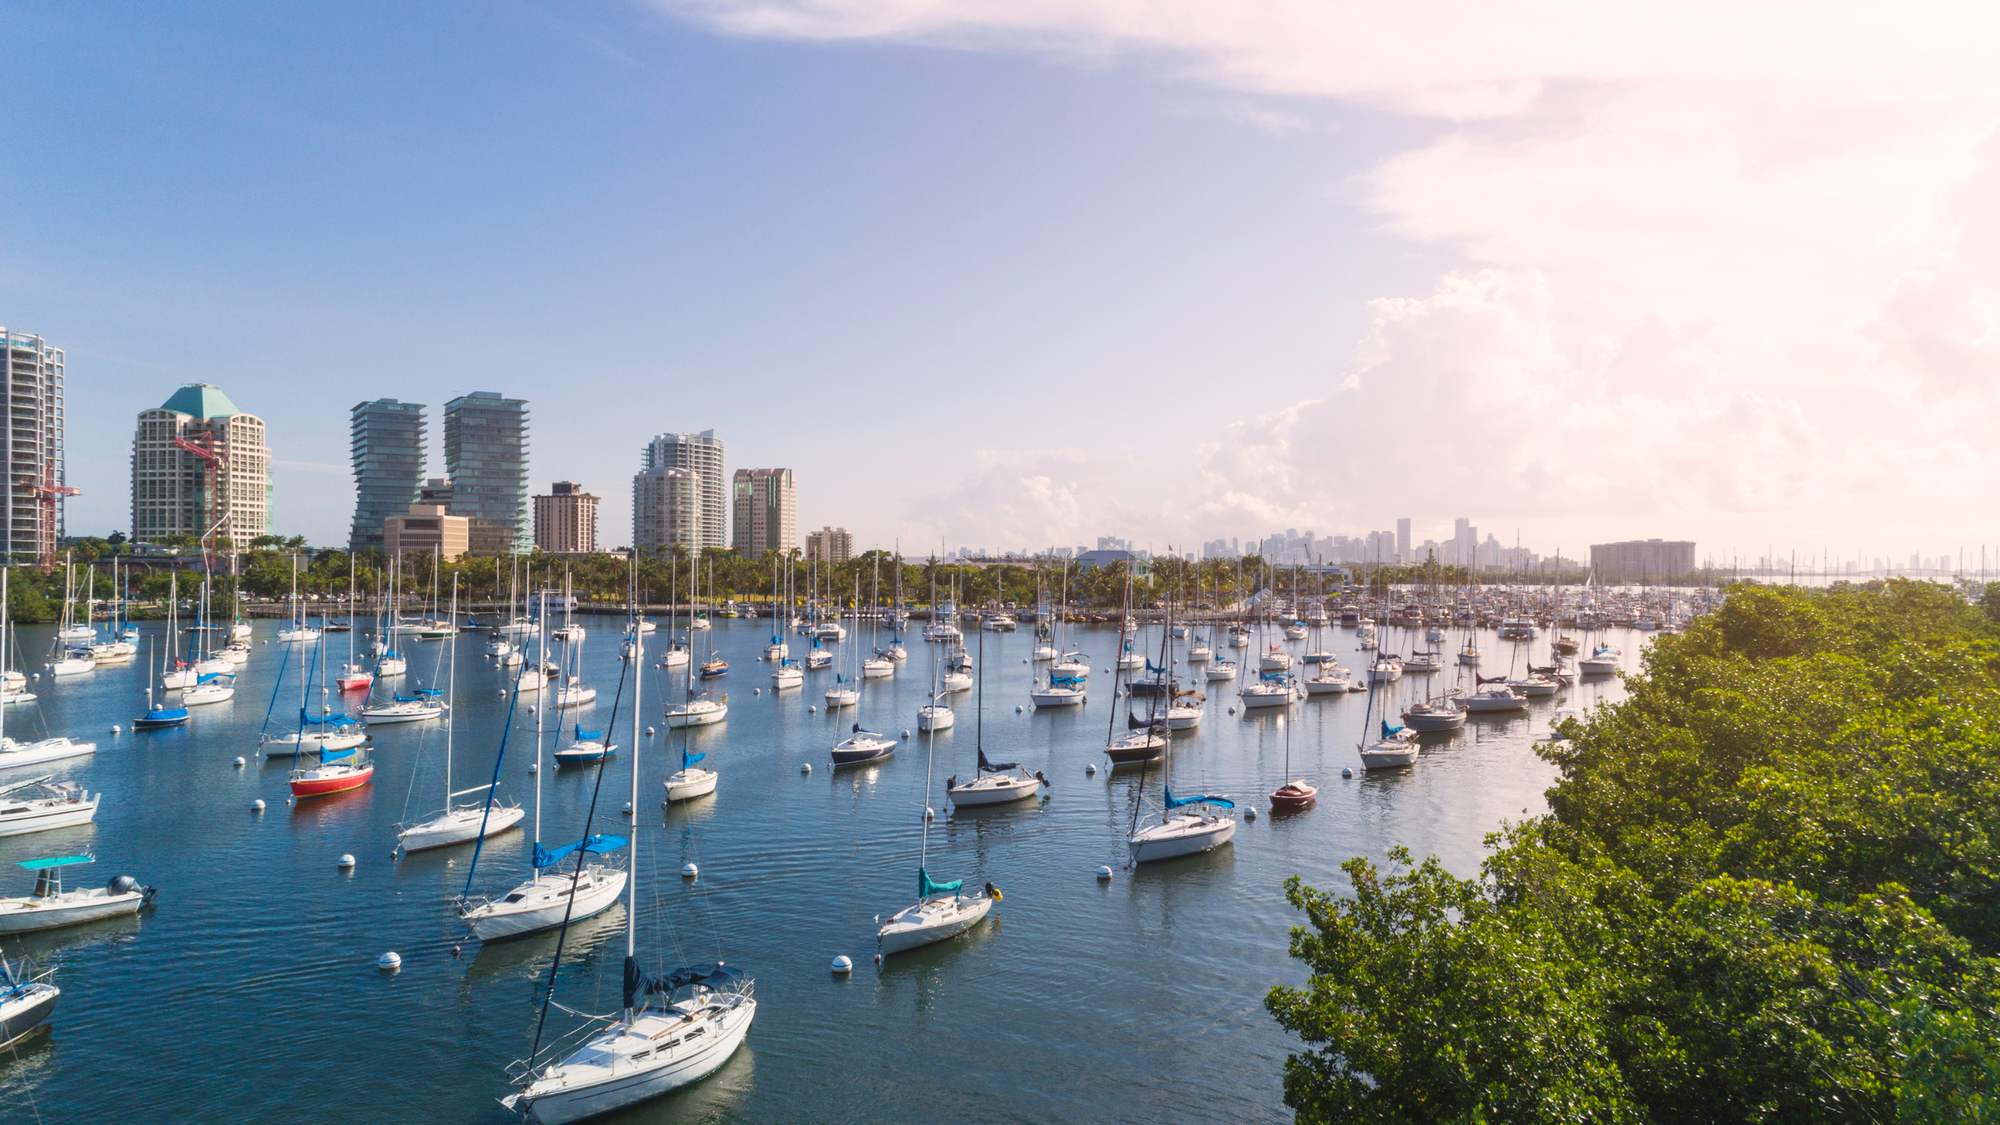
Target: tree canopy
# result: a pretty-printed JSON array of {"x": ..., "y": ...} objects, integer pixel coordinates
[{"x": 1767, "y": 889}]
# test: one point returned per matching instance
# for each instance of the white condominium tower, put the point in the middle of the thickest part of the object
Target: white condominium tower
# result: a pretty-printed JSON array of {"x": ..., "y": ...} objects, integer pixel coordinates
[
  {"x": 666, "y": 510},
  {"x": 486, "y": 457},
  {"x": 702, "y": 454},
  {"x": 34, "y": 446},
  {"x": 198, "y": 463},
  {"x": 767, "y": 512}
]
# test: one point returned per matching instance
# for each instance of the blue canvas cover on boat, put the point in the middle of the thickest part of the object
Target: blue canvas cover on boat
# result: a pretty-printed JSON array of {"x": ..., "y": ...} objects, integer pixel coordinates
[
  {"x": 207, "y": 676},
  {"x": 1391, "y": 731},
  {"x": 583, "y": 735},
  {"x": 1174, "y": 802},
  {"x": 429, "y": 692},
  {"x": 326, "y": 721},
  {"x": 990, "y": 767},
  {"x": 598, "y": 844},
  {"x": 688, "y": 759},
  {"x": 335, "y": 755},
  {"x": 1275, "y": 676},
  {"x": 926, "y": 888},
  {"x": 639, "y": 984},
  {"x": 1152, "y": 667},
  {"x": 1065, "y": 681}
]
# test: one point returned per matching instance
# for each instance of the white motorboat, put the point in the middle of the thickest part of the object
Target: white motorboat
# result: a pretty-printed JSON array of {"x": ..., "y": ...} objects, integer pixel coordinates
[
  {"x": 237, "y": 653},
  {"x": 115, "y": 652},
  {"x": 935, "y": 716},
  {"x": 50, "y": 906},
  {"x": 1182, "y": 714},
  {"x": 546, "y": 899},
  {"x": 1001, "y": 623},
  {"x": 14, "y": 755},
  {"x": 703, "y": 624},
  {"x": 42, "y": 803},
  {"x": 651, "y": 1050},
  {"x": 698, "y": 712},
  {"x": 1044, "y": 653},
  {"x": 1221, "y": 671},
  {"x": 298, "y": 633}
]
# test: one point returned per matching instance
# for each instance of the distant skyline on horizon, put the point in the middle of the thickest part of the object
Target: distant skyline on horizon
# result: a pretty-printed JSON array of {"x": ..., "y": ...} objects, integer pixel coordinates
[{"x": 1037, "y": 275}]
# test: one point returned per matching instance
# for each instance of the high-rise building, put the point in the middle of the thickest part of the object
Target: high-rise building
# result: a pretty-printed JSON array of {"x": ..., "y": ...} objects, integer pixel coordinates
[
  {"x": 1403, "y": 540},
  {"x": 831, "y": 544},
  {"x": 566, "y": 520},
  {"x": 33, "y": 446},
  {"x": 1642, "y": 560},
  {"x": 486, "y": 457},
  {"x": 701, "y": 453},
  {"x": 199, "y": 463},
  {"x": 388, "y": 455},
  {"x": 666, "y": 510},
  {"x": 767, "y": 512}
]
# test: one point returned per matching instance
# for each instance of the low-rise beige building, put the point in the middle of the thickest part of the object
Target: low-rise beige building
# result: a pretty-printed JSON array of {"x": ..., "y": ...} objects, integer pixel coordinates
[{"x": 426, "y": 528}]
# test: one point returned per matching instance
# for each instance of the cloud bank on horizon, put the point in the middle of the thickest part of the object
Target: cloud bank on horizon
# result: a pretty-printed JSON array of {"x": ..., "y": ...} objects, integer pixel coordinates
[{"x": 1732, "y": 262}]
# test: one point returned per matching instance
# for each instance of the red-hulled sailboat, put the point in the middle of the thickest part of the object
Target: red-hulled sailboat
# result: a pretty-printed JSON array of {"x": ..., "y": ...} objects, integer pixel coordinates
[
  {"x": 337, "y": 772},
  {"x": 1297, "y": 793}
]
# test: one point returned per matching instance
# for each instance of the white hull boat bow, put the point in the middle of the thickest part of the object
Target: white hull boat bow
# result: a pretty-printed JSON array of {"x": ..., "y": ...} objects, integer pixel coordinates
[{"x": 460, "y": 826}]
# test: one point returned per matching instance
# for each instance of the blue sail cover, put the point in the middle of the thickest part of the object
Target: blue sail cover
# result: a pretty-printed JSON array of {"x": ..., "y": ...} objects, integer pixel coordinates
[
  {"x": 1174, "y": 802},
  {"x": 990, "y": 767},
  {"x": 429, "y": 691},
  {"x": 638, "y": 984},
  {"x": 417, "y": 698},
  {"x": 926, "y": 888},
  {"x": 1276, "y": 676},
  {"x": 1389, "y": 731},
  {"x": 207, "y": 676},
  {"x": 688, "y": 759},
  {"x": 1152, "y": 667},
  {"x": 1065, "y": 681},
  {"x": 583, "y": 735},
  {"x": 597, "y": 844},
  {"x": 327, "y": 721},
  {"x": 336, "y": 755}
]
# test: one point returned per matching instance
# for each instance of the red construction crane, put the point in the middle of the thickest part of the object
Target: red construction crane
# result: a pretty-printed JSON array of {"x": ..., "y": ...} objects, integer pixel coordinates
[
  {"x": 46, "y": 490},
  {"x": 203, "y": 446}
]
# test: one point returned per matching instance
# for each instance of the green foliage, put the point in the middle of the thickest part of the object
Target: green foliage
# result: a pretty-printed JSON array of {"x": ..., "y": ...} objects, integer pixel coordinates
[
  {"x": 26, "y": 604},
  {"x": 1767, "y": 890}
]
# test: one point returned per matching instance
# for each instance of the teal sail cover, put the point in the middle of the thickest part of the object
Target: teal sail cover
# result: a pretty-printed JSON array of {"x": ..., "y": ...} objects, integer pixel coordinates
[
  {"x": 1389, "y": 731},
  {"x": 1174, "y": 802},
  {"x": 688, "y": 759},
  {"x": 598, "y": 844},
  {"x": 330, "y": 720},
  {"x": 583, "y": 735},
  {"x": 926, "y": 888}
]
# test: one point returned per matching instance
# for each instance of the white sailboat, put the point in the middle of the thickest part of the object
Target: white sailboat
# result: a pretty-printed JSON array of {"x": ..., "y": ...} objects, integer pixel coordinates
[
  {"x": 459, "y": 824},
  {"x": 42, "y": 803},
  {"x": 942, "y": 910},
  {"x": 15, "y": 754},
  {"x": 655, "y": 1046},
  {"x": 1187, "y": 825},
  {"x": 993, "y": 783}
]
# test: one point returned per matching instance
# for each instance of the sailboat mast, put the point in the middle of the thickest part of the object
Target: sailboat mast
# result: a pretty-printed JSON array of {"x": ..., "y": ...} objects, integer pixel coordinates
[
  {"x": 451, "y": 696},
  {"x": 632, "y": 880},
  {"x": 541, "y": 662}
]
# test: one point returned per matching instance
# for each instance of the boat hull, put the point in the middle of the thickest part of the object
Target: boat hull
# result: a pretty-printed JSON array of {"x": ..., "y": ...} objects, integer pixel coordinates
[
  {"x": 457, "y": 827},
  {"x": 582, "y": 1101},
  {"x": 1293, "y": 795},
  {"x": 327, "y": 786},
  {"x": 18, "y": 917},
  {"x": 699, "y": 718},
  {"x": 898, "y": 935},
  {"x": 31, "y": 818},
  {"x": 27, "y": 1012},
  {"x": 686, "y": 785},
  {"x": 545, "y": 907},
  {"x": 1008, "y": 790},
  {"x": 1181, "y": 836}
]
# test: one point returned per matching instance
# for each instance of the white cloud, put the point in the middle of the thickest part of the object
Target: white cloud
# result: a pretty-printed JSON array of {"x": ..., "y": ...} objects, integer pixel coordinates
[{"x": 1730, "y": 258}]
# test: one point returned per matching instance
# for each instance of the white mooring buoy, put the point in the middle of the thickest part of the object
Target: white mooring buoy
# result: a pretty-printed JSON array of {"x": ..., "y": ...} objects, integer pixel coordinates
[
  {"x": 806, "y": 767},
  {"x": 346, "y": 860},
  {"x": 257, "y": 805},
  {"x": 114, "y": 729},
  {"x": 627, "y": 810},
  {"x": 842, "y": 964},
  {"x": 1104, "y": 874},
  {"x": 906, "y": 734},
  {"x": 1249, "y": 814},
  {"x": 239, "y": 763},
  {"x": 1090, "y": 770},
  {"x": 812, "y": 710},
  {"x": 1232, "y": 710},
  {"x": 1017, "y": 708},
  {"x": 1345, "y": 772},
  {"x": 756, "y": 691},
  {"x": 389, "y": 962},
  {"x": 532, "y": 767},
  {"x": 930, "y": 813},
  {"x": 649, "y": 732},
  {"x": 689, "y": 871}
]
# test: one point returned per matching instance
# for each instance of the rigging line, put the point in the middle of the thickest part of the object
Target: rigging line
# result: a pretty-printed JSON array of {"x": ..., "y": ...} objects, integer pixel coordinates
[
  {"x": 506, "y": 728},
  {"x": 274, "y": 694},
  {"x": 569, "y": 906}
]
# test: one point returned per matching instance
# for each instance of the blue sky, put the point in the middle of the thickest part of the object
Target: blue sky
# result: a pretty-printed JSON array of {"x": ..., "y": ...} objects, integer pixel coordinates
[{"x": 972, "y": 285}]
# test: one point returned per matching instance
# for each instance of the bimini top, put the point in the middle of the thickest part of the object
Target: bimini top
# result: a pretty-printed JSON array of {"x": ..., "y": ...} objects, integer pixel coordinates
[
  {"x": 202, "y": 400},
  {"x": 64, "y": 861}
]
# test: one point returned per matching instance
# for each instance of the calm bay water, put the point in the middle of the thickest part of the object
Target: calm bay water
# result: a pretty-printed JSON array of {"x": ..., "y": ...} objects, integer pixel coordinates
[{"x": 250, "y": 993}]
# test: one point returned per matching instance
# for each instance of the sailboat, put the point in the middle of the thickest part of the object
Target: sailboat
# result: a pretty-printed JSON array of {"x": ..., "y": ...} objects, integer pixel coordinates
[
  {"x": 64, "y": 660},
  {"x": 156, "y": 717},
  {"x": 942, "y": 910},
  {"x": 654, "y": 1046},
  {"x": 696, "y": 711},
  {"x": 12, "y": 753},
  {"x": 993, "y": 783},
  {"x": 1296, "y": 793},
  {"x": 688, "y": 782},
  {"x": 860, "y": 747},
  {"x": 297, "y": 630},
  {"x": 458, "y": 824},
  {"x": 1188, "y": 825},
  {"x": 846, "y": 690},
  {"x": 324, "y": 732},
  {"x": 544, "y": 901},
  {"x": 26, "y": 1001},
  {"x": 354, "y": 677}
]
